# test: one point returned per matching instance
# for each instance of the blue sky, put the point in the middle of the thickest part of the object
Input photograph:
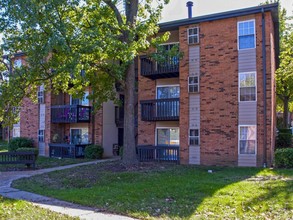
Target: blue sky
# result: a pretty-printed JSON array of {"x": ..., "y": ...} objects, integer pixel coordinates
[{"x": 176, "y": 9}]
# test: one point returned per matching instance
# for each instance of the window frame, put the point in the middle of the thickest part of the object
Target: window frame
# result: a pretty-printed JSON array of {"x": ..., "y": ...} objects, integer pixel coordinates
[
  {"x": 193, "y": 35},
  {"x": 238, "y": 35},
  {"x": 194, "y": 137},
  {"x": 156, "y": 135},
  {"x": 255, "y": 147},
  {"x": 193, "y": 84},
  {"x": 79, "y": 128},
  {"x": 170, "y": 85},
  {"x": 41, "y": 136},
  {"x": 239, "y": 88},
  {"x": 85, "y": 96}
]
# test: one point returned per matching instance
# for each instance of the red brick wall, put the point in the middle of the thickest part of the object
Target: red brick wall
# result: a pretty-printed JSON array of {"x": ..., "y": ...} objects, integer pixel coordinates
[
  {"x": 29, "y": 120},
  {"x": 219, "y": 92}
]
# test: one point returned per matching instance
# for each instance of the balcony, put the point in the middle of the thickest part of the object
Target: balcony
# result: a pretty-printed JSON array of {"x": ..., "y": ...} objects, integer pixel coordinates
[
  {"x": 70, "y": 114},
  {"x": 160, "y": 110},
  {"x": 149, "y": 153},
  {"x": 157, "y": 70}
]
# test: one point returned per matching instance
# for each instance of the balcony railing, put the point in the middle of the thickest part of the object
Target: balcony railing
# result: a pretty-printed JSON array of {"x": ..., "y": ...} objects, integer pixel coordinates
[
  {"x": 70, "y": 114},
  {"x": 64, "y": 150},
  {"x": 160, "y": 110},
  {"x": 148, "y": 153},
  {"x": 156, "y": 70}
]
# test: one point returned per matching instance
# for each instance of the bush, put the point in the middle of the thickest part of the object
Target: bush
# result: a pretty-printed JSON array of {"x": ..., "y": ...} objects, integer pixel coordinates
[
  {"x": 284, "y": 140},
  {"x": 20, "y": 142},
  {"x": 284, "y": 158},
  {"x": 93, "y": 152},
  {"x": 285, "y": 130},
  {"x": 24, "y": 149}
]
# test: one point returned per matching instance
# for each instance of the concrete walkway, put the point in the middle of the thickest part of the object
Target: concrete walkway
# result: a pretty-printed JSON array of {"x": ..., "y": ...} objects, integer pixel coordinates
[{"x": 52, "y": 204}]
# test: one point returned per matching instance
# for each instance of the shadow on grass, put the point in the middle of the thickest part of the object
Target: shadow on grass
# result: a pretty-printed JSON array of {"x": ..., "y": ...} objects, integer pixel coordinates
[{"x": 167, "y": 191}]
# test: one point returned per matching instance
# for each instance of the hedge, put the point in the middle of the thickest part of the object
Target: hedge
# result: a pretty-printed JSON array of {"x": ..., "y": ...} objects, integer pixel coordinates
[
  {"x": 34, "y": 150},
  {"x": 284, "y": 158},
  {"x": 93, "y": 152},
  {"x": 20, "y": 142}
]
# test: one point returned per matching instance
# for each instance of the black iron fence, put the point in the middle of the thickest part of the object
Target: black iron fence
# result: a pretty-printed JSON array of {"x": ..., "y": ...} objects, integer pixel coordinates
[
  {"x": 147, "y": 153},
  {"x": 64, "y": 150}
]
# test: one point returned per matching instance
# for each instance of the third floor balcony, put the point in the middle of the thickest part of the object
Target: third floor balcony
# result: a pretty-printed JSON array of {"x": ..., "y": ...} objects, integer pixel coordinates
[{"x": 168, "y": 67}]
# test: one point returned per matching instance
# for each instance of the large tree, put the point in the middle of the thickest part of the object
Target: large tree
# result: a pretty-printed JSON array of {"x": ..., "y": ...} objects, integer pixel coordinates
[
  {"x": 284, "y": 74},
  {"x": 82, "y": 43}
]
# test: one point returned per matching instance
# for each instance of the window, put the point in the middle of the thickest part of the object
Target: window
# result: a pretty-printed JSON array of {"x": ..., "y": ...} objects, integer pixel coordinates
[
  {"x": 194, "y": 137},
  {"x": 17, "y": 63},
  {"x": 193, "y": 35},
  {"x": 41, "y": 97},
  {"x": 193, "y": 85},
  {"x": 167, "y": 136},
  {"x": 41, "y": 136},
  {"x": 247, "y": 86},
  {"x": 84, "y": 101},
  {"x": 168, "y": 92},
  {"x": 246, "y": 34},
  {"x": 247, "y": 139},
  {"x": 16, "y": 132},
  {"x": 79, "y": 136}
]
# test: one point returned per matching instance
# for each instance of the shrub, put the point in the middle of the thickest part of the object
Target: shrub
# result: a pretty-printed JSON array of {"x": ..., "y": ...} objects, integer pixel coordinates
[
  {"x": 20, "y": 142},
  {"x": 285, "y": 130},
  {"x": 284, "y": 140},
  {"x": 34, "y": 150},
  {"x": 93, "y": 152},
  {"x": 284, "y": 158}
]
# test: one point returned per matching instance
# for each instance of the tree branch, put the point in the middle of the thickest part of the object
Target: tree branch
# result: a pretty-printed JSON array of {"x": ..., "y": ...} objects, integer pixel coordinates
[{"x": 115, "y": 10}]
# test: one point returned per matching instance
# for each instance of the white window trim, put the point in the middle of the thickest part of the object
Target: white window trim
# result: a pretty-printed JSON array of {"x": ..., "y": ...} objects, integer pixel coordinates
[
  {"x": 193, "y": 84},
  {"x": 255, "y": 150},
  {"x": 156, "y": 134},
  {"x": 193, "y": 35},
  {"x": 240, "y": 87},
  {"x": 239, "y": 35},
  {"x": 86, "y": 92},
  {"x": 171, "y": 85},
  {"x": 194, "y": 136}
]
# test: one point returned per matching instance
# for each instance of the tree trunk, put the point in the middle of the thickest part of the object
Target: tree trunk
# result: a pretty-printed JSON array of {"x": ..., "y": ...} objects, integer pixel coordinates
[
  {"x": 285, "y": 111},
  {"x": 129, "y": 151}
]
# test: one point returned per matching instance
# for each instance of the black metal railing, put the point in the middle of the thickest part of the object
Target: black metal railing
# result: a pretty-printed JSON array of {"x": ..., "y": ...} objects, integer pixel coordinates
[
  {"x": 70, "y": 114},
  {"x": 155, "y": 70},
  {"x": 160, "y": 110},
  {"x": 64, "y": 150},
  {"x": 148, "y": 153}
]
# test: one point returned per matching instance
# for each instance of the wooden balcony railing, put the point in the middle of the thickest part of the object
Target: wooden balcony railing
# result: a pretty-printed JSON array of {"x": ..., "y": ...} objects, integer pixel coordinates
[
  {"x": 148, "y": 153},
  {"x": 156, "y": 70},
  {"x": 160, "y": 110},
  {"x": 70, "y": 114}
]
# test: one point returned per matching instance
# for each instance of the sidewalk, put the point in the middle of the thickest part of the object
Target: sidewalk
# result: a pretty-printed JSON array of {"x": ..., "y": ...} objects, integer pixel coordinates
[{"x": 52, "y": 204}]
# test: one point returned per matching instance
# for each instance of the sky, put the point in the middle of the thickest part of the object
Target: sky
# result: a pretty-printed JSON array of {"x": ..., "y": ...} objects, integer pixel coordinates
[{"x": 177, "y": 9}]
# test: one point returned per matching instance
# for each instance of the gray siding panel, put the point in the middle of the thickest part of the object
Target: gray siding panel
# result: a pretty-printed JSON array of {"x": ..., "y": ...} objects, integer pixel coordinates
[
  {"x": 194, "y": 61},
  {"x": 194, "y": 155},
  {"x": 247, "y": 113},
  {"x": 194, "y": 111},
  {"x": 247, "y": 60},
  {"x": 246, "y": 160}
]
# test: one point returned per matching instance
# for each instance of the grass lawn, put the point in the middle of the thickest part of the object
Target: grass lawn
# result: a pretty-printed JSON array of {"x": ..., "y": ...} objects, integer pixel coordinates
[
  {"x": 16, "y": 209},
  {"x": 163, "y": 191},
  {"x": 43, "y": 162}
]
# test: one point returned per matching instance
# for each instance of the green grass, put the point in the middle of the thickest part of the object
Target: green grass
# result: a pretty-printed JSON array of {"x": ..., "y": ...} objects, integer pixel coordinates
[
  {"x": 17, "y": 209},
  {"x": 43, "y": 162},
  {"x": 172, "y": 192}
]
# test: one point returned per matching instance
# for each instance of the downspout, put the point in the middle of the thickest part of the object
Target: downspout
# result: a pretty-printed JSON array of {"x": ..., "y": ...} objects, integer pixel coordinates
[{"x": 264, "y": 89}]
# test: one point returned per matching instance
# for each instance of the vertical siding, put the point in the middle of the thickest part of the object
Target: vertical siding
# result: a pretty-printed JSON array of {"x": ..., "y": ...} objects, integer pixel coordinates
[
  {"x": 247, "y": 160},
  {"x": 247, "y": 113},
  {"x": 194, "y": 61},
  {"x": 194, "y": 111},
  {"x": 194, "y": 155},
  {"x": 247, "y": 60},
  {"x": 194, "y": 103},
  {"x": 247, "y": 110}
]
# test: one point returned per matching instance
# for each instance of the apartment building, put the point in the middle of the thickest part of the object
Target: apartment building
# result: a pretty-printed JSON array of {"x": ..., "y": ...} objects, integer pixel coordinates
[
  {"x": 62, "y": 126},
  {"x": 216, "y": 103}
]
